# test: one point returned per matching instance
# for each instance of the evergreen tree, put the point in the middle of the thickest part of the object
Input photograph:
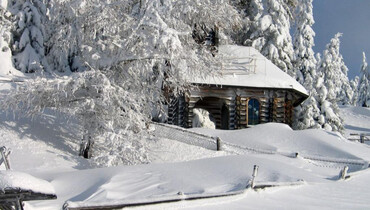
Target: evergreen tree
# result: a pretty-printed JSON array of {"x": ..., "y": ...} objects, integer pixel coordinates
[
  {"x": 354, "y": 85},
  {"x": 364, "y": 84},
  {"x": 273, "y": 38},
  {"x": 305, "y": 64},
  {"x": 303, "y": 42},
  {"x": 251, "y": 12},
  {"x": 28, "y": 48},
  {"x": 5, "y": 26},
  {"x": 328, "y": 86}
]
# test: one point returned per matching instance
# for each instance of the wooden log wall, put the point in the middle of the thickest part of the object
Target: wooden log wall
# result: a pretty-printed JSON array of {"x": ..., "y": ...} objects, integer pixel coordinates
[
  {"x": 176, "y": 111},
  {"x": 276, "y": 105},
  {"x": 172, "y": 111},
  {"x": 278, "y": 110},
  {"x": 289, "y": 113},
  {"x": 190, "y": 105},
  {"x": 241, "y": 112},
  {"x": 264, "y": 110},
  {"x": 230, "y": 103}
]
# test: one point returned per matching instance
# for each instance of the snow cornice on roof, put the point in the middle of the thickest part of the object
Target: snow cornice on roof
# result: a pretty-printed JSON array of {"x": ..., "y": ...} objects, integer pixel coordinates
[{"x": 242, "y": 66}]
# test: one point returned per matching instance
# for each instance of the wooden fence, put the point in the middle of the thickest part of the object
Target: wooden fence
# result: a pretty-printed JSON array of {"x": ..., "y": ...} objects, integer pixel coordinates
[{"x": 361, "y": 137}]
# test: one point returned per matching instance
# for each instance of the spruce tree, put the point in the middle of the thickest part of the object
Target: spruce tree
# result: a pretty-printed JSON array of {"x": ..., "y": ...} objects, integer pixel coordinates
[
  {"x": 354, "y": 85},
  {"x": 305, "y": 64},
  {"x": 328, "y": 86},
  {"x": 364, "y": 84},
  {"x": 29, "y": 33},
  {"x": 274, "y": 41}
]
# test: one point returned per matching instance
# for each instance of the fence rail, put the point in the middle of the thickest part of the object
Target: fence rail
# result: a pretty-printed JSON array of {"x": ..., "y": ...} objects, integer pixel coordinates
[
  {"x": 185, "y": 136},
  {"x": 361, "y": 137},
  {"x": 214, "y": 143}
]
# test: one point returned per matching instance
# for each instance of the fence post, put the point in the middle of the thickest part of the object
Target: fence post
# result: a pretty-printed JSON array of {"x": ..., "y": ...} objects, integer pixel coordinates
[
  {"x": 343, "y": 173},
  {"x": 219, "y": 144},
  {"x": 255, "y": 171},
  {"x": 4, "y": 154}
]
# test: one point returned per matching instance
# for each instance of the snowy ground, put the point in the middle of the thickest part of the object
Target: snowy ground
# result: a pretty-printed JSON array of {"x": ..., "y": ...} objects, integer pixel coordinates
[
  {"x": 357, "y": 120},
  {"x": 47, "y": 148}
]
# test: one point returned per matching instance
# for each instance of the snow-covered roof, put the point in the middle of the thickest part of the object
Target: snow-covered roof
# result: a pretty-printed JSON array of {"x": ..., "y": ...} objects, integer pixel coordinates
[{"x": 246, "y": 67}]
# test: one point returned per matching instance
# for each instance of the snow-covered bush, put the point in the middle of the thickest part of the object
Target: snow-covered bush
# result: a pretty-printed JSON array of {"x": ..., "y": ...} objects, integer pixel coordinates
[
  {"x": 202, "y": 119},
  {"x": 113, "y": 117}
]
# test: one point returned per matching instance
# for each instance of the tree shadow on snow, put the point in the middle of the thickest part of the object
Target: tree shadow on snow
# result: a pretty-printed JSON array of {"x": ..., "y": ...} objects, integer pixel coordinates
[
  {"x": 51, "y": 128},
  {"x": 358, "y": 129}
]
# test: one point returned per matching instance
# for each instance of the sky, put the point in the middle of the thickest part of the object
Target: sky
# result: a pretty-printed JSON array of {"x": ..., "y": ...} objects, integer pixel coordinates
[{"x": 350, "y": 17}]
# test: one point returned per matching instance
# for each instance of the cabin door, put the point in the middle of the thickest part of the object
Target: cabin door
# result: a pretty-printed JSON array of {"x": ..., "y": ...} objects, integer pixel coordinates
[{"x": 225, "y": 115}]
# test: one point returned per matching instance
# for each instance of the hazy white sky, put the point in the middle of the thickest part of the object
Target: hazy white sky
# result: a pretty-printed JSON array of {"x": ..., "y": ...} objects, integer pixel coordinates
[{"x": 350, "y": 17}]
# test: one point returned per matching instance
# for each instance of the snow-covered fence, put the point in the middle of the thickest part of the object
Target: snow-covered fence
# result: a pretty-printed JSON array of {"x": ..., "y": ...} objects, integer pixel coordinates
[
  {"x": 186, "y": 136},
  {"x": 234, "y": 148},
  {"x": 214, "y": 143},
  {"x": 16, "y": 187},
  {"x": 361, "y": 137},
  {"x": 69, "y": 205},
  {"x": 4, "y": 157}
]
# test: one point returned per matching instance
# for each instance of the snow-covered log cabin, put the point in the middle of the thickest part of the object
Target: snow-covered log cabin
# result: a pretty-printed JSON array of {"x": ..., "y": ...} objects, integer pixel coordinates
[{"x": 249, "y": 91}]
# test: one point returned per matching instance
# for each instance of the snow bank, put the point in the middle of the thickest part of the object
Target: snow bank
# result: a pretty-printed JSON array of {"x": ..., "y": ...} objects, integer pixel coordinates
[
  {"x": 148, "y": 183},
  {"x": 350, "y": 194},
  {"x": 280, "y": 138},
  {"x": 47, "y": 148},
  {"x": 356, "y": 119},
  {"x": 18, "y": 180}
]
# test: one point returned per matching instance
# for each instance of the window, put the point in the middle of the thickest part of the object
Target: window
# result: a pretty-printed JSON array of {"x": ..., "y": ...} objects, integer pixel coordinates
[{"x": 253, "y": 112}]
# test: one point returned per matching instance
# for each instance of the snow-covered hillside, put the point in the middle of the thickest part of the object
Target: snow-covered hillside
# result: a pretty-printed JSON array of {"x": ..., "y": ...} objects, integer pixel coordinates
[
  {"x": 357, "y": 119},
  {"x": 47, "y": 148}
]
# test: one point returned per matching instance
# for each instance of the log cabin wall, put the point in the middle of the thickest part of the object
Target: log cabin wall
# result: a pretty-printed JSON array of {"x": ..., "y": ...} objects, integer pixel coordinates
[{"x": 229, "y": 106}]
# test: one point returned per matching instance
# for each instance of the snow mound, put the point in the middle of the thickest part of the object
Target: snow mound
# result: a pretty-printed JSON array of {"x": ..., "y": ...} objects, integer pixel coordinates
[
  {"x": 18, "y": 180},
  {"x": 356, "y": 119},
  {"x": 148, "y": 183},
  {"x": 280, "y": 138}
]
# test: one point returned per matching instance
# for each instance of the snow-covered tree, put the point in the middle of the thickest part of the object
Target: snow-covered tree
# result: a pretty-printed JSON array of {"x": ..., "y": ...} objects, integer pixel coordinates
[
  {"x": 305, "y": 64},
  {"x": 251, "y": 12},
  {"x": 273, "y": 37},
  {"x": 303, "y": 42},
  {"x": 328, "y": 86},
  {"x": 111, "y": 115},
  {"x": 364, "y": 84},
  {"x": 354, "y": 85},
  {"x": 337, "y": 80},
  {"x": 5, "y": 27},
  {"x": 28, "y": 36},
  {"x": 132, "y": 52}
]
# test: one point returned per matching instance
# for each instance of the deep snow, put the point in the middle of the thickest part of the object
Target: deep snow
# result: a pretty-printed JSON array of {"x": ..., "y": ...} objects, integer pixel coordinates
[
  {"x": 47, "y": 148},
  {"x": 18, "y": 180},
  {"x": 357, "y": 119}
]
